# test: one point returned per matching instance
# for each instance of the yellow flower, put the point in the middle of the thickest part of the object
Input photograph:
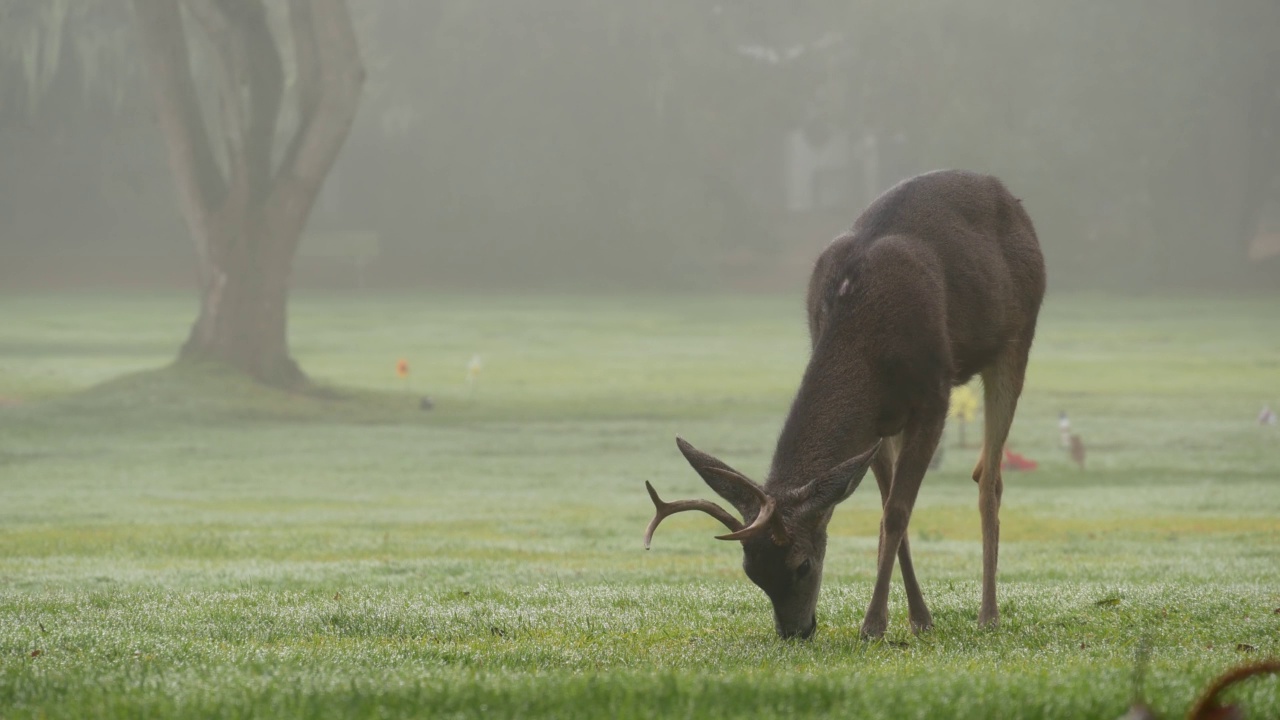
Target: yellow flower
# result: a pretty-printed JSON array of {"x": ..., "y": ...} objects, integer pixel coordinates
[{"x": 964, "y": 404}]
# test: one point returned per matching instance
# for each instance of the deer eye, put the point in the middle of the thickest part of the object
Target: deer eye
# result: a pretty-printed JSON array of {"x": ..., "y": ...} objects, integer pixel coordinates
[{"x": 804, "y": 568}]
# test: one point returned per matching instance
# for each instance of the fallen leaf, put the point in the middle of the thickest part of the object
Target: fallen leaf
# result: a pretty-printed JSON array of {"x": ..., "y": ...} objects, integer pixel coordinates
[
  {"x": 1245, "y": 647},
  {"x": 36, "y": 653}
]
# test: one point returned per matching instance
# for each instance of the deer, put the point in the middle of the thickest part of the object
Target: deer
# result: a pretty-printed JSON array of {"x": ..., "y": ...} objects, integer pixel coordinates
[{"x": 940, "y": 279}]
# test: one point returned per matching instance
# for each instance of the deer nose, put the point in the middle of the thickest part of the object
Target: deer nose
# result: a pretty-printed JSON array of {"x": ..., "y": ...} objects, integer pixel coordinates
[{"x": 802, "y": 633}]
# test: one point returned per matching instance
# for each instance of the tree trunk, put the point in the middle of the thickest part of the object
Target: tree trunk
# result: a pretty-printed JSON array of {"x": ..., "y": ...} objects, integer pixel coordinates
[
  {"x": 243, "y": 318},
  {"x": 245, "y": 215}
]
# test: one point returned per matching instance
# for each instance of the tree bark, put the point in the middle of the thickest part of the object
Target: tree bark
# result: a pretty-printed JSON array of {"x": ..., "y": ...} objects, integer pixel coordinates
[
  {"x": 248, "y": 220},
  {"x": 243, "y": 320}
]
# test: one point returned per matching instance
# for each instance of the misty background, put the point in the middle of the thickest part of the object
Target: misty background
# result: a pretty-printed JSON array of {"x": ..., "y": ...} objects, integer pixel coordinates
[{"x": 691, "y": 144}]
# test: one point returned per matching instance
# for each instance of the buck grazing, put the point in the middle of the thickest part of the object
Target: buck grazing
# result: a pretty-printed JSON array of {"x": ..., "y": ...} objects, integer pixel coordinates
[{"x": 940, "y": 279}]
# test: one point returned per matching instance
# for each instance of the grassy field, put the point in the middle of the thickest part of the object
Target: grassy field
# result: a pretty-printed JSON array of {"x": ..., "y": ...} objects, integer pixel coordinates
[{"x": 183, "y": 544}]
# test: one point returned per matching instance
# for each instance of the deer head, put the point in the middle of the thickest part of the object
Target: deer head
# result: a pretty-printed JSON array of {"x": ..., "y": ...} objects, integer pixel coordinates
[{"x": 783, "y": 532}]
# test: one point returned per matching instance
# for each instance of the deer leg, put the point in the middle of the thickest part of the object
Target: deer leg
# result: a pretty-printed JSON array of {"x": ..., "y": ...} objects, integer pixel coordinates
[
  {"x": 1001, "y": 386},
  {"x": 919, "y": 440},
  {"x": 917, "y": 610}
]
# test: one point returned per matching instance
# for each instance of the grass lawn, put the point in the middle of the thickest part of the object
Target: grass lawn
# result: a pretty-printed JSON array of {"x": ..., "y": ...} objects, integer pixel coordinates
[{"x": 183, "y": 544}]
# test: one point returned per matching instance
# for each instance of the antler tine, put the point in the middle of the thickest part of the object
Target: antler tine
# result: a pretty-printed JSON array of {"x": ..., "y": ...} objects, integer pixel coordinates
[
  {"x": 767, "y": 506},
  {"x": 665, "y": 509}
]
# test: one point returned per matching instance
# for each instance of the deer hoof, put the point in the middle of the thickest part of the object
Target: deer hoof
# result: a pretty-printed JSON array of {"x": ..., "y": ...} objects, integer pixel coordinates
[
  {"x": 873, "y": 628},
  {"x": 924, "y": 624},
  {"x": 989, "y": 620}
]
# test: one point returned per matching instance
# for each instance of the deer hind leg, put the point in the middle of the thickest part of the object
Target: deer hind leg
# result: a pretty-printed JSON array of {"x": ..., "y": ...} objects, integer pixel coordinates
[
  {"x": 918, "y": 443},
  {"x": 1001, "y": 386},
  {"x": 917, "y": 610}
]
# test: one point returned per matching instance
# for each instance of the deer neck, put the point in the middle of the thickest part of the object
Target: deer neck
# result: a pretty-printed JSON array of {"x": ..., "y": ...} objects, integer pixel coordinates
[{"x": 832, "y": 418}]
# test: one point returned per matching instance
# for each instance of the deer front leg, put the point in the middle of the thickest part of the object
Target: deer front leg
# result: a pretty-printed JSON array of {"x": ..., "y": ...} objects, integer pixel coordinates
[
  {"x": 919, "y": 441},
  {"x": 917, "y": 610}
]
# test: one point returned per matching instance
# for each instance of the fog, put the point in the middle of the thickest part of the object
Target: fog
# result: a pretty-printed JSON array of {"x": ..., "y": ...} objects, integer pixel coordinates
[
  {"x": 343, "y": 344},
  {"x": 567, "y": 145}
]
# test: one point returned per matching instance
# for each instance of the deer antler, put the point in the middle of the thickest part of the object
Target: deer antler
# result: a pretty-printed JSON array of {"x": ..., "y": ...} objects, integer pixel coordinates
[
  {"x": 665, "y": 509},
  {"x": 737, "y": 530},
  {"x": 767, "y": 506}
]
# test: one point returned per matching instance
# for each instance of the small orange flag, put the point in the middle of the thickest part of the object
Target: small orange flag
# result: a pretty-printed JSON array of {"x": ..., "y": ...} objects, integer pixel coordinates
[{"x": 402, "y": 368}]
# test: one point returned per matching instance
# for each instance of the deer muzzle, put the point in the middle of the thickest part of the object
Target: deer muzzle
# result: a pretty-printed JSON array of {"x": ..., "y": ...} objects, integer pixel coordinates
[{"x": 799, "y": 632}]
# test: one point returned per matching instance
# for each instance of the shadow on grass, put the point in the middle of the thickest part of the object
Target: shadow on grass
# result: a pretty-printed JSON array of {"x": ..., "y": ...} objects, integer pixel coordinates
[
  {"x": 194, "y": 393},
  {"x": 201, "y": 393}
]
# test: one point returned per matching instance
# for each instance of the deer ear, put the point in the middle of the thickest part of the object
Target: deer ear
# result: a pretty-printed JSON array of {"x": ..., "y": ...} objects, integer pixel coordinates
[
  {"x": 837, "y": 484},
  {"x": 713, "y": 473}
]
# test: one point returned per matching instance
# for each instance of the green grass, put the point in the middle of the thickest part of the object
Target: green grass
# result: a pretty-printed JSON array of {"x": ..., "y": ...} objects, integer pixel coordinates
[{"x": 184, "y": 544}]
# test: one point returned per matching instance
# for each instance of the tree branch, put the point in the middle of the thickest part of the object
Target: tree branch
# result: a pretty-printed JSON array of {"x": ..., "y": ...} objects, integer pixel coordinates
[
  {"x": 266, "y": 88},
  {"x": 201, "y": 186},
  {"x": 247, "y": 58},
  {"x": 329, "y": 95},
  {"x": 307, "y": 68},
  {"x": 229, "y": 56},
  {"x": 306, "y": 55}
]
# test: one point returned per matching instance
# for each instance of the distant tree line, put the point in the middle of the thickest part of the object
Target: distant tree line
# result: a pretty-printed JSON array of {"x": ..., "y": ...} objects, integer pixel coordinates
[{"x": 568, "y": 142}]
